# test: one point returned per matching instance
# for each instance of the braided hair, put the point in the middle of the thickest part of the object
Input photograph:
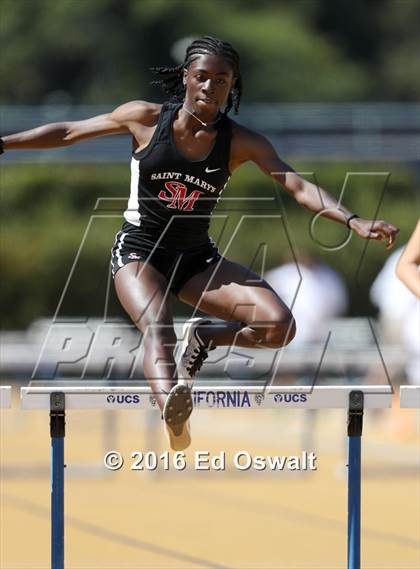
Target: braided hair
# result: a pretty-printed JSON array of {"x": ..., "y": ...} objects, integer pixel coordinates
[{"x": 171, "y": 78}]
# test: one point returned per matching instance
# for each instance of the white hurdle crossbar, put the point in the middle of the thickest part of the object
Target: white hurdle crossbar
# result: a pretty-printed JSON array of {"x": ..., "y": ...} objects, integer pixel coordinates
[
  {"x": 410, "y": 396},
  {"x": 59, "y": 397},
  {"x": 208, "y": 397},
  {"x": 5, "y": 396}
]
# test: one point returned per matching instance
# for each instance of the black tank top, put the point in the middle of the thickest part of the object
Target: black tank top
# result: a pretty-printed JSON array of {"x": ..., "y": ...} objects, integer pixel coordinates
[{"x": 171, "y": 197}]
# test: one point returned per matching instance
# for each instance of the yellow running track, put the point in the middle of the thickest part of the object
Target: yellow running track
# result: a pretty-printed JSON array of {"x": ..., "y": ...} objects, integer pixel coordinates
[{"x": 232, "y": 519}]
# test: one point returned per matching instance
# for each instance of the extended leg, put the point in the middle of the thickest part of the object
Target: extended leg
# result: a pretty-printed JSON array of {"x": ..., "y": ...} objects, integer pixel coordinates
[{"x": 143, "y": 293}]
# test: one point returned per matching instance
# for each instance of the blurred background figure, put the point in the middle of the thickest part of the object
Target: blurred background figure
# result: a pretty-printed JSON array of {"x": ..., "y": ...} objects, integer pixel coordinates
[
  {"x": 314, "y": 291},
  {"x": 408, "y": 273},
  {"x": 408, "y": 264},
  {"x": 399, "y": 317}
]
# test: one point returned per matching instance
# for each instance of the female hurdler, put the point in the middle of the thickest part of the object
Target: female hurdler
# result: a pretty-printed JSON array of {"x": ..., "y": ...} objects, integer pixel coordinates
[{"x": 184, "y": 153}]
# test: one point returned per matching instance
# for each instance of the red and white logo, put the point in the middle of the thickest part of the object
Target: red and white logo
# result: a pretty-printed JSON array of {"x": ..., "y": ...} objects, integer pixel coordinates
[{"x": 177, "y": 196}]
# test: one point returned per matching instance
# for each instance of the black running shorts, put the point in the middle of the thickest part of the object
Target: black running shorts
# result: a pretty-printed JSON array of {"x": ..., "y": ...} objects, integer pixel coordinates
[{"x": 177, "y": 266}]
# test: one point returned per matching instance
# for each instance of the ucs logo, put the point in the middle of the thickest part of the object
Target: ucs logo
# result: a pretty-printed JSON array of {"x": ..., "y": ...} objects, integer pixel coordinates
[
  {"x": 130, "y": 398},
  {"x": 290, "y": 397}
]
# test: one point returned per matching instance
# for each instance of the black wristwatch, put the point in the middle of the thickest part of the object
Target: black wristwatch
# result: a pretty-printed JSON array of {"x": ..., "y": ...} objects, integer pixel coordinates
[
  {"x": 1, "y": 146},
  {"x": 354, "y": 216}
]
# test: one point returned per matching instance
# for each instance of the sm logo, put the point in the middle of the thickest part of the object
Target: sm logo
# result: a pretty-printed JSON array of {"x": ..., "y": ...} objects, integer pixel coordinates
[{"x": 177, "y": 198}]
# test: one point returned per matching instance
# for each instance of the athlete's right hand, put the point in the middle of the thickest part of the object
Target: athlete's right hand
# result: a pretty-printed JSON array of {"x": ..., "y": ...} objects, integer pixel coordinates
[{"x": 375, "y": 229}]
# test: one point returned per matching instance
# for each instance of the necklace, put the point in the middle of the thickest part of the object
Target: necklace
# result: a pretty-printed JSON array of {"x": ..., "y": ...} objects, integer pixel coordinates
[{"x": 199, "y": 120}]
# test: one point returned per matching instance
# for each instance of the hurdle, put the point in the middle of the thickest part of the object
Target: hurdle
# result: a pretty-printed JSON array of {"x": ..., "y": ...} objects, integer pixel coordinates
[
  {"x": 5, "y": 396},
  {"x": 410, "y": 396},
  {"x": 60, "y": 396}
]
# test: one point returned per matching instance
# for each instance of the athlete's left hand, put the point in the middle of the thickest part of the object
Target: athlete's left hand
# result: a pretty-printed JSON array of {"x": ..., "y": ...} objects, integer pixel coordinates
[{"x": 378, "y": 230}]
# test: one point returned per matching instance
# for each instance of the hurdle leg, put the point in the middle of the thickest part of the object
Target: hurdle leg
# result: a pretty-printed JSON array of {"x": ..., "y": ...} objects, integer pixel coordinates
[
  {"x": 57, "y": 431},
  {"x": 354, "y": 433}
]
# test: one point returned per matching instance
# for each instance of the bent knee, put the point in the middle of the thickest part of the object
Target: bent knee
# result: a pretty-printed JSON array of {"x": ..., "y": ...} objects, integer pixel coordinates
[{"x": 280, "y": 332}]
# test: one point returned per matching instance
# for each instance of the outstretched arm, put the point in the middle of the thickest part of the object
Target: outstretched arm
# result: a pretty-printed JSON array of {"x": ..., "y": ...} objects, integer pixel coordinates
[
  {"x": 408, "y": 265},
  {"x": 66, "y": 133},
  {"x": 255, "y": 147}
]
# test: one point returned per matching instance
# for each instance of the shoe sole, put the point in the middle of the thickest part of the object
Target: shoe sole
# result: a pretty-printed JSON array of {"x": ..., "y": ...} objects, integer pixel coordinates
[
  {"x": 180, "y": 441},
  {"x": 178, "y": 407}
]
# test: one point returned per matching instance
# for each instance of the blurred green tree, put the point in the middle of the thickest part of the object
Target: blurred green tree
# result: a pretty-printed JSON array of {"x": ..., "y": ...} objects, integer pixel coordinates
[{"x": 100, "y": 51}]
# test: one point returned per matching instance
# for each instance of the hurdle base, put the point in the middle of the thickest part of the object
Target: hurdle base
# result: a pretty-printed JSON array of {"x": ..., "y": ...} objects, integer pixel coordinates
[
  {"x": 354, "y": 433},
  {"x": 57, "y": 431}
]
